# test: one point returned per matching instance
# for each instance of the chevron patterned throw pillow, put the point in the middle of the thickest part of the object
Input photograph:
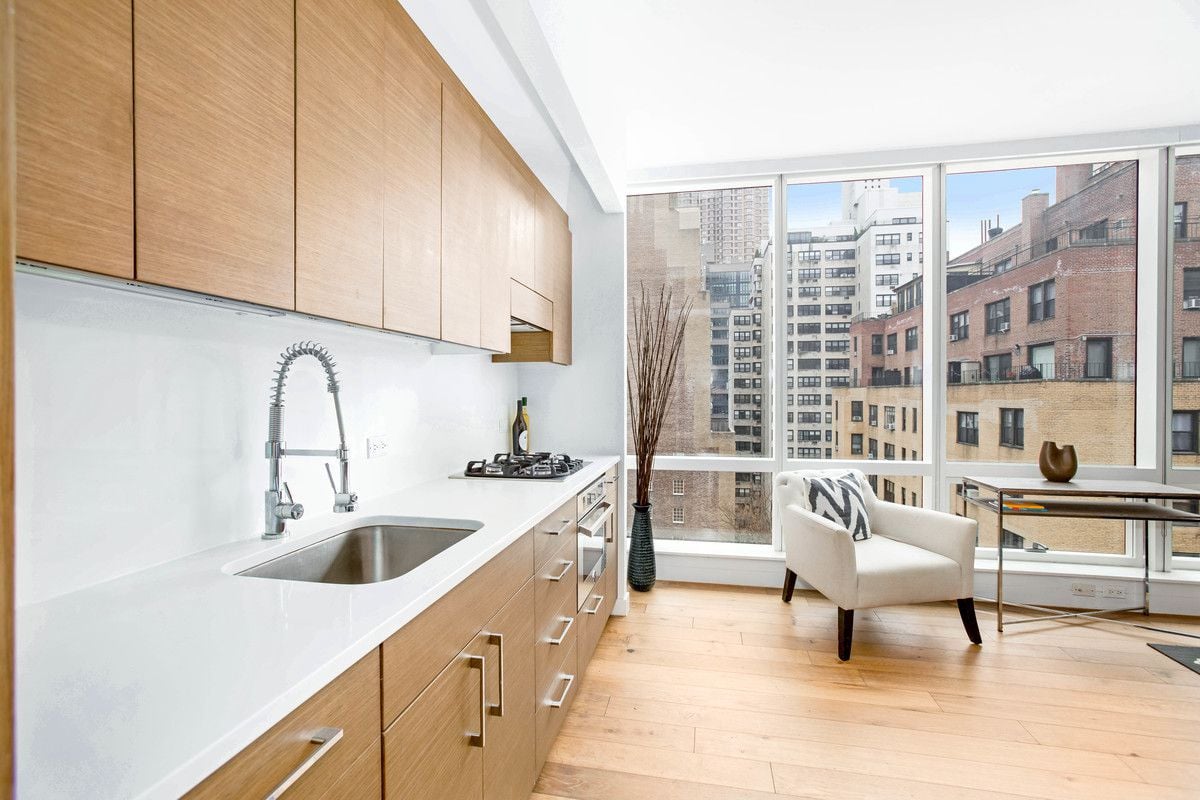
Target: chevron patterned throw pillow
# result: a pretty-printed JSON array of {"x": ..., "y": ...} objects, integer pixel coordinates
[{"x": 840, "y": 499}]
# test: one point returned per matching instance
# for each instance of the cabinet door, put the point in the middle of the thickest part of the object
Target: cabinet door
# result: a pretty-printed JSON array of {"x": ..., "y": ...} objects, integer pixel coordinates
[
  {"x": 339, "y": 158},
  {"x": 497, "y": 254},
  {"x": 562, "y": 295},
  {"x": 521, "y": 226},
  {"x": 214, "y": 89},
  {"x": 462, "y": 231},
  {"x": 412, "y": 258},
  {"x": 74, "y": 132},
  {"x": 508, "y": 757},
  {"x": 545, "y": 245},
  {"x": 431, "y": 750}
]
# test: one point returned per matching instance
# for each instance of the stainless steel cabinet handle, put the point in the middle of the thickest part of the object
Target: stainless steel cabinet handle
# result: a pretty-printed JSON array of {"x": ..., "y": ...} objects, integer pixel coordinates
[
  {"x": 566, "y": 629},
  {"x": 480, "y": 663},
  {"x": 498, "y": 640},
  {"x": 566, "y": 568},
  {"x": 562, "y": 698},
  {"x": 566, "y": 526},
  {"x": 327, "y": 738},
  {"x": 596, "y": 608}
]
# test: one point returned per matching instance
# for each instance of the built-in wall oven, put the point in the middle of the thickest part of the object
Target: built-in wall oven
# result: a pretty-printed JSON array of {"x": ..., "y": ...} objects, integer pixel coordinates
[{"x": 596, "y": 529}]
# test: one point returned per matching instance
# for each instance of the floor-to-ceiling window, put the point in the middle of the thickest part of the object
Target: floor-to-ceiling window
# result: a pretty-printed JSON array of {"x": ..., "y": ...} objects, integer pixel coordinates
[
  {"x": 1041, "y": 290},
  {"x": 716, "y": 248},
  {"x": 854, "y": 334}
]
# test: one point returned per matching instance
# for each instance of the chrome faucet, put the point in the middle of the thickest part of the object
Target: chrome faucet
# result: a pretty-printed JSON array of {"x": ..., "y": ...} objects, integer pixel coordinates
[{"x": 279, "y": 505}]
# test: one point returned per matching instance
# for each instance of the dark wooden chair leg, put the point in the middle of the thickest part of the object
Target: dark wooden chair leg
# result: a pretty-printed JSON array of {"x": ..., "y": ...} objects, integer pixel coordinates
[
  {"x": 966, "y": 610},
  {"x": 845, "y": 632},
  {"x": 789, "y": 585}
]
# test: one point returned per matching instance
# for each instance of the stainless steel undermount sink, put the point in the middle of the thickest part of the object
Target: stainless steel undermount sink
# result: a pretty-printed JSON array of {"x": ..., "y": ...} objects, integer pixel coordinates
[{"x": 366, "y": 554}]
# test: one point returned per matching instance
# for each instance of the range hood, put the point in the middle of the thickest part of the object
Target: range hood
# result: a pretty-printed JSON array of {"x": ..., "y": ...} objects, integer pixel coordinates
[{"x": 521, "y": 326}]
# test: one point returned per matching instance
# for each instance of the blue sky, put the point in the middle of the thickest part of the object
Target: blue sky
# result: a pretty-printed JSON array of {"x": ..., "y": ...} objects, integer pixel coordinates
[
  {"x": 812, "y": 204},
  {"x": 970, "y": 197}
]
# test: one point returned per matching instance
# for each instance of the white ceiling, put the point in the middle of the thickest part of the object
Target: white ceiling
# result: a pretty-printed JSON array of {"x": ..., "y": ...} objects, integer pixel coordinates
[{"x": 664, "y": 83}]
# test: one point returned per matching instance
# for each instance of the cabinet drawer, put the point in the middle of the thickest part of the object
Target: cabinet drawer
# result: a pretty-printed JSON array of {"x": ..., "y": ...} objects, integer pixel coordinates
[
  {"x": 414, "y": 655},
  {"x": 591, "y": 625},
  {"x": 550, "y": 533},
  {"x": 350, "y": 702},
  {"x": 552, "y": 594},
  {"x": 553, "y": 703},
  {"x": 561, "y": 627}
]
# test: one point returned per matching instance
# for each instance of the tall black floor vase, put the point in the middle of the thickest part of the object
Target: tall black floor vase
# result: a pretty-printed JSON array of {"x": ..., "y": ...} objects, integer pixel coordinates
[{"x": 641, "y": 550}]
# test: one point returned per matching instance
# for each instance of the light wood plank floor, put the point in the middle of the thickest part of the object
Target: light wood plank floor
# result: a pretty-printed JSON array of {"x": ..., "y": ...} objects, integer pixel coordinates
[{"x": 726, "y": 693}]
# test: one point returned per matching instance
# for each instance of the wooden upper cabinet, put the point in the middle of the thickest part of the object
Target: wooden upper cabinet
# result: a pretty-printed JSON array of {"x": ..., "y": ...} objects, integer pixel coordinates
[
  {"x": 74, "y": 132},
  {"x": 521, "y": 213},
  {"x": 498, "y": 231},
  {"x": 562, "y": 297},
  {"x": 462, "y": 211},
  {"x": 214, "y": 89},
  {"x": 412, "y": 265},
  {"x": 552, "y": 261},
  {"x": 340, "y": 158}
]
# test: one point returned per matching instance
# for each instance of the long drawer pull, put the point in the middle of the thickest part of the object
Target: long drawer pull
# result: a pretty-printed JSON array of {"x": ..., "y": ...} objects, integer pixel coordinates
[
  {"x": 562, "y": 698},
  {"x": 566, "y": 568},
  {"x": 566, "y": 526},
  {"x": 596, "y": 608},
  {"x": 566, "y": 629},
  {"x": 480, "y": 663},
  {"x": 326, "y": 738},
  {"x": 498, "y": 640}
]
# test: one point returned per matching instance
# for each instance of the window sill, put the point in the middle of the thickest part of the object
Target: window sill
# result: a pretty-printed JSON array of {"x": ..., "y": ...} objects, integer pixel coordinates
[{"x": 766, "y": 553}]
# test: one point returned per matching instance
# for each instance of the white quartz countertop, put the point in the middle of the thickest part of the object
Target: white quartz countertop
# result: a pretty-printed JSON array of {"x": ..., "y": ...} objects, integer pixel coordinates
[{"x": 142, "y": 686}]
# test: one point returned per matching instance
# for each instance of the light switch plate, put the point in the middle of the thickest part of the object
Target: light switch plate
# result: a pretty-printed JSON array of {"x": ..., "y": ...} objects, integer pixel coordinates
[{"x": 377, "y": 446}]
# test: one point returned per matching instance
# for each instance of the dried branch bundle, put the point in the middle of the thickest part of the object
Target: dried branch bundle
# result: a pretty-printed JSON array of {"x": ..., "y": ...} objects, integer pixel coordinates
[{"x": 655, "y": 341}]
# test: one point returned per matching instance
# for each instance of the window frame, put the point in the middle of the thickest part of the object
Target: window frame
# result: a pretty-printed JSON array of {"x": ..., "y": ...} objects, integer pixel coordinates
[{"x": 1152, "y": 418}]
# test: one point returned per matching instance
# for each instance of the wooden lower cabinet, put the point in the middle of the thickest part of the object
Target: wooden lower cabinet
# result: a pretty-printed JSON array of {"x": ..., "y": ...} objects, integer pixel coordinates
[
  {"x": 350, "y": 702},
  {"x": 433, "y": 749},
  {"x": 363, "y": 780},
  {"x": 508, "y": 754}
]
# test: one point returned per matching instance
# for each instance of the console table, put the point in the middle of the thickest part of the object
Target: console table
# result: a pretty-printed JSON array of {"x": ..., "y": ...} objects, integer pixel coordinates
[{"x": 1080, "y": 499}]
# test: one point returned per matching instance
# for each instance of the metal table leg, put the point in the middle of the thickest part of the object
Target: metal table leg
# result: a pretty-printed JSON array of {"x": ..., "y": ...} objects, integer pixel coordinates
[{"x": 1000, "y": 562}]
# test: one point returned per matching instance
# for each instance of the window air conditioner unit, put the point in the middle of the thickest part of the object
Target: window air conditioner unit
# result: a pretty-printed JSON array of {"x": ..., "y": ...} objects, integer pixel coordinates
[
  {"x": 1002, "y": 327},
  {"x": 954, "y": 337},
  {"x": 889, "y": 426},
  {"x": 891, "y": 352},
  {"x": 1192, "y": 303}
]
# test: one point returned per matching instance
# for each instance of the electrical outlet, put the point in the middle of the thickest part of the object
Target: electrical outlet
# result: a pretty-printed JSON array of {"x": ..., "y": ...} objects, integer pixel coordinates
[
  {"x": 1115, "y": 591},
  {"x": 377, "y": 446},
  {"x": 1083, "y": 589}
]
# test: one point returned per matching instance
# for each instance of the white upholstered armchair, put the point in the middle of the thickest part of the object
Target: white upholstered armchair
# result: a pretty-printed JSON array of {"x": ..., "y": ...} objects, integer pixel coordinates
[{"x": 913, "y": 555}]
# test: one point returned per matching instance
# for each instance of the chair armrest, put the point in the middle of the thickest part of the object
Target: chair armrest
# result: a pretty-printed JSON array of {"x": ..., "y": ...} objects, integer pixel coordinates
[
  {"x": 948, "y": 535},
  {"x": 821, "y": 553}
]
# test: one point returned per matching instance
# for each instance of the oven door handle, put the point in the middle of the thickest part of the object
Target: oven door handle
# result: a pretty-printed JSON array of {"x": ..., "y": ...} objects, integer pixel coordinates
[{"x": 601, "y": 515}]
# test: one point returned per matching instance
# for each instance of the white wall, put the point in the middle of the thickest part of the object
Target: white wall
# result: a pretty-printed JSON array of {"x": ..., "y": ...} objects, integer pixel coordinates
[{"x": 141, "y": 422}]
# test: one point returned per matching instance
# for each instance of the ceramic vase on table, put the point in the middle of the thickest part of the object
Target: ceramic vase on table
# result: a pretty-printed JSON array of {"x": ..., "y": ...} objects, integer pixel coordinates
[
  {"x": 1058, "y": 464},
  {"x": 641, "y": 550}
]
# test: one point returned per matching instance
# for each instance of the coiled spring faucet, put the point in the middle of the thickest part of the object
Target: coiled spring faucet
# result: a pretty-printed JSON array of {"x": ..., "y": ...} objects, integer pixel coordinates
[{"x": 279, "y": 505}]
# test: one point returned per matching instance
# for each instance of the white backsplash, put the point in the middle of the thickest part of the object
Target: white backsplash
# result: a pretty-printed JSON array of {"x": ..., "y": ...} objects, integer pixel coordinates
[{"x": 141, "y": 423}]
